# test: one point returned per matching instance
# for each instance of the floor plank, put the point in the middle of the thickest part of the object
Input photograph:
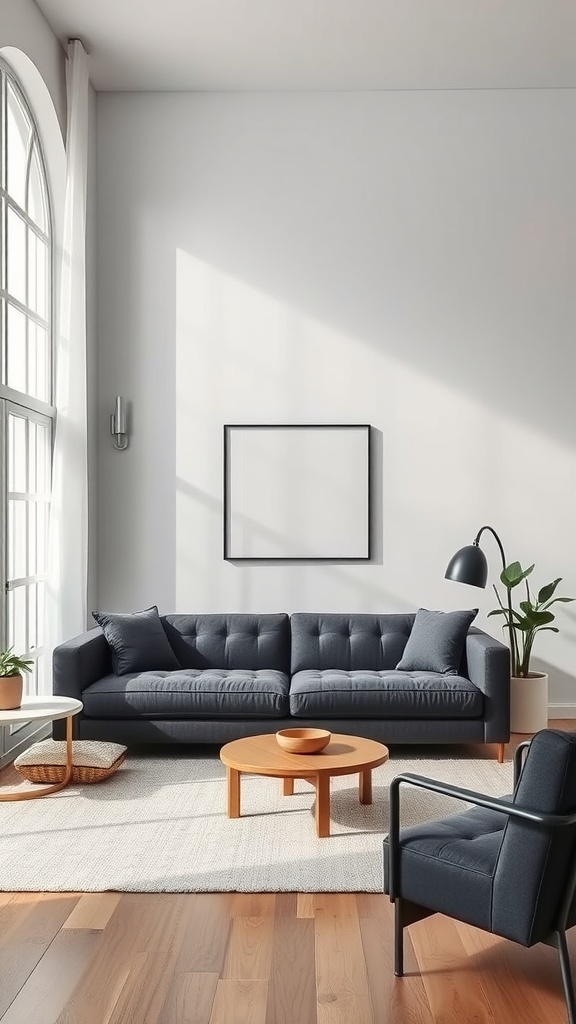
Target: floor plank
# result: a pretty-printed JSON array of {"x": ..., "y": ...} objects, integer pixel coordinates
[
  {"x": 249, "y": 948},
  {"x": 190, "y": 999},
  {"x": 206, "y": 935},
  {"x": 93, "y": 910},
  {"x": 393, "y": 999},
  {"x": 453, "y": 990},
  {"x": 145, "y": 989},
  {"x": 53, "y": 980},
  {"x": 24, "y": 941},
  {"x": 240, "y": 1002},
  {"x": 341, "y": 978},
  {"x": 292, "y": 987},
  {"x": 504, "y": 969}
]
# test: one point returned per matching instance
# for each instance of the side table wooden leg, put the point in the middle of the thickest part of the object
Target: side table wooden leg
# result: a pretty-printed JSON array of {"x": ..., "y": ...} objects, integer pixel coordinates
[
  {"x": 233, "y": 779},
  {"x": 365, "y": 786},
  {"x": 287, "y": 787},
  {"x": 68, "y": 772},
  {"x": 322, "y": 783},
  {"x": 34, "y": 794}
]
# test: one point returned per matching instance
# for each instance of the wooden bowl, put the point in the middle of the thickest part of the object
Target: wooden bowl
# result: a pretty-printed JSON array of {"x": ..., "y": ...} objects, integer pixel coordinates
[{"x": 303, "y": 741}]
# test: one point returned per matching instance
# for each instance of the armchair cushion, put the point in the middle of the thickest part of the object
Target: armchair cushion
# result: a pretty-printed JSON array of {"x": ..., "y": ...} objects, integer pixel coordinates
[
  {"x": 532, "y": 869},
  {"x": 454, "y": 858}
]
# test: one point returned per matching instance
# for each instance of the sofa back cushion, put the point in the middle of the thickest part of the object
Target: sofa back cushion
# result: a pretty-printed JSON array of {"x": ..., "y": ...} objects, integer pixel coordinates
[
  {"x": 235, "y": 641},
  {"x": 348, "y": 642}
]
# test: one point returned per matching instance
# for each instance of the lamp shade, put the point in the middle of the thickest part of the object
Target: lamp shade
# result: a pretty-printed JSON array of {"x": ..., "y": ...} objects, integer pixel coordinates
[{"x": 468, "y": 565}]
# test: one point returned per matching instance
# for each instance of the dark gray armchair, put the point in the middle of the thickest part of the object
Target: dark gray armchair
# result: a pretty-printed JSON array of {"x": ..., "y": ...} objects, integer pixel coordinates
[{"x": 507, "y": 865}]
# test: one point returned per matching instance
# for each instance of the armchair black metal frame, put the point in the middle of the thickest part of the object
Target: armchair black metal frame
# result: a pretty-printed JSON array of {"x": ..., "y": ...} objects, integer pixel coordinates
[{"x": 407, "y": 913}]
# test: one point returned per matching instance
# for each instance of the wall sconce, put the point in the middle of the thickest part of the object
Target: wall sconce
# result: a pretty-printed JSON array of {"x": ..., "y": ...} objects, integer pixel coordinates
[{"x": 118, "y": 425}]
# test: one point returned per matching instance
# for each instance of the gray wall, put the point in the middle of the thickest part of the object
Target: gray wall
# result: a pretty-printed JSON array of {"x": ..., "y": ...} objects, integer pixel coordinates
[{"x": 404, "y": 259}]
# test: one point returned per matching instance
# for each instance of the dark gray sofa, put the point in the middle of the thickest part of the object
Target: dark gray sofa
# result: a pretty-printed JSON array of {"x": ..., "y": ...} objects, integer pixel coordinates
[{"x": 243, "y": 674}]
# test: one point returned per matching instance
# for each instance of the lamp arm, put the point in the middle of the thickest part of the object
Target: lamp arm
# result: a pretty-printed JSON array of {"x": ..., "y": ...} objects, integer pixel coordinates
[
  {"x": 496, "y": 538},
  {"x": 511, "y": 633}
]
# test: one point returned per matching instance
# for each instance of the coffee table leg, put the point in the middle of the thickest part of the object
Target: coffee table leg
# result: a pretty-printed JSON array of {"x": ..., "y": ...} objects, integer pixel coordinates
[
  {"x": 365, "y": 786},
  {"x": 287, "y": 787},
  {"x": 233, "y": 778},
  {"x": 322, "y": 783}
]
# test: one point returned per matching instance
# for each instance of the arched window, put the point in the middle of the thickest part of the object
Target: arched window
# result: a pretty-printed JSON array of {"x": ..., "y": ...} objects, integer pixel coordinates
[{"x": 26, "y": 379}]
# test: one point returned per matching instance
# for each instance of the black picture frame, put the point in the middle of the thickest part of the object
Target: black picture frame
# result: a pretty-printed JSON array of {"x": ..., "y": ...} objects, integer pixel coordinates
[{"x": 353, "y": 440}]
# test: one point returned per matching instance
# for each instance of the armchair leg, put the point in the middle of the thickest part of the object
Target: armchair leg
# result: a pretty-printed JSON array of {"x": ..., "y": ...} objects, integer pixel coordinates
[
  {"x": 405, "y": 914},
  {"x": 567, "y": 981},
  {"x": 399, "y": 939},
  {"x": 501, "y": 748}
]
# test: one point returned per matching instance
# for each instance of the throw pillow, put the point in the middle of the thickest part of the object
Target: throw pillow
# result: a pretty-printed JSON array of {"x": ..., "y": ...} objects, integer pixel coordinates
[
  {"x": 436, "y": 642},
  {"x": 92, "y": 760},
  {"x": 137, "y": 641}
]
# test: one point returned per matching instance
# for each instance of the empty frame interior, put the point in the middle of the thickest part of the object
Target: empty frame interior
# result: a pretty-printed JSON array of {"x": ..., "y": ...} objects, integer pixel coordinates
[{"x": 296, "y": 492}]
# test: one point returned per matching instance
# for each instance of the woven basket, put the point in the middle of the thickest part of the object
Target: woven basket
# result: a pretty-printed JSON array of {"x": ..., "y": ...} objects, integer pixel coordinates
[{"x": 52, "y": 773}]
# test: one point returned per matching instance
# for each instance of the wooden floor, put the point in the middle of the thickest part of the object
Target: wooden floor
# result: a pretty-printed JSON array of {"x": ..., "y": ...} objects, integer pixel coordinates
[{"x": 233, "y": 958}]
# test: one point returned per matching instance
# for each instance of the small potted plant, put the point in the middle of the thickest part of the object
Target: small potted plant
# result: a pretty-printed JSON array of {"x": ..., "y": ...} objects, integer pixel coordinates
[
  {"x": 528, "y": 689},
  {"x": 11, "y": 669}
]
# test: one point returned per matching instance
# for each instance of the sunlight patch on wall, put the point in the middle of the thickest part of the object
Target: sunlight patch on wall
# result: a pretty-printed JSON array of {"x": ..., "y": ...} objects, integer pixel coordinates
[{"x": 450, "y": 463}]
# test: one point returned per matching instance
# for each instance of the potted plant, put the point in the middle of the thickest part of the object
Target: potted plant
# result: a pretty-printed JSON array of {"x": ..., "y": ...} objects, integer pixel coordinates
[
  {"x": 11, "y": 669},
  {"x": 528, "y": 689}
]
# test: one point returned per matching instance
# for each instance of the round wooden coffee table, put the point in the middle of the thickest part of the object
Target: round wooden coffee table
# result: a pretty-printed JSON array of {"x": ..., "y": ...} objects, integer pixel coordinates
[
  {"x": 44, "y": 709},
  {"x": 262, "y": 755}
]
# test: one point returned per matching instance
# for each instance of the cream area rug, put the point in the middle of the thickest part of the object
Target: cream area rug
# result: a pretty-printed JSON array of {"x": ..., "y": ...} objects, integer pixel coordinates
[{"x": 159, "y": 825}]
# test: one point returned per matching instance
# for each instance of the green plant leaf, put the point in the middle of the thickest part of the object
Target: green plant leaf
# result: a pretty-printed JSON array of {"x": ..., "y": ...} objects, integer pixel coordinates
[
  {"x": 11, "y": 664},
  {"x": 537, "y": 619},
  {"x": 513, "y": 574},
  {"x": 546, "y": 592},
  {"x": 564, "y": 600}
]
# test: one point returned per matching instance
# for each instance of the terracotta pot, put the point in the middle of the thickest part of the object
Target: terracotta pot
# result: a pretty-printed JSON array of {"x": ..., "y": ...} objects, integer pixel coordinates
[
  {"x": 529, "y": 702},
  {"x": 10, "y": 692}
]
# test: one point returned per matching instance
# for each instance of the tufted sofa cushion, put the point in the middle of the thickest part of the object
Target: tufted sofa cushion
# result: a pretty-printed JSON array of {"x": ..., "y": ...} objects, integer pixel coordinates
[
  {"x": 189, "y": 693},
  {"x": 384, "y": 694},
  {"x": 235, "y": 641},
  {"x": 348, "y": 642}
]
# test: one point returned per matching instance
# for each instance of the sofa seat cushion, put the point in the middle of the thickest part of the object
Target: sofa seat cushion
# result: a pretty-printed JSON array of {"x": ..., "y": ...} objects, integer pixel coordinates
[
  {"x": 460, "y": 855},
  {"x": 189, "y": 693},
  {"x": 334, "y": 693}
]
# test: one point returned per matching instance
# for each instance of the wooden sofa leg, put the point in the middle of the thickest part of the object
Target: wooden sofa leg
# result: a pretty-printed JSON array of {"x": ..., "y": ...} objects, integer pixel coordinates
[{"x": 501, "y": 748}]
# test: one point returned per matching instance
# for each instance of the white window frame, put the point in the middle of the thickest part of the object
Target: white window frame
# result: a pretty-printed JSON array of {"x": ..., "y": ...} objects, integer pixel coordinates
[{"x": 34, "y": 409}]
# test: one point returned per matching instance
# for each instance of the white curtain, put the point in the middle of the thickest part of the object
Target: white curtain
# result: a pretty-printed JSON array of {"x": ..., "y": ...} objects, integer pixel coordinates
[{"x": 69, "y": 510}]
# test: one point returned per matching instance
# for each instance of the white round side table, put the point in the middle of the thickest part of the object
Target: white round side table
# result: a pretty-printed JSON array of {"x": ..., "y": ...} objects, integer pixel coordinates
[{"x": 44, "y": 709}]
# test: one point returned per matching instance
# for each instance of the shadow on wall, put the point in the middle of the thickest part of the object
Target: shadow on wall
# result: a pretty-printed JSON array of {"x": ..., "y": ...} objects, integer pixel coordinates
[{"x": 360, "y": 593}]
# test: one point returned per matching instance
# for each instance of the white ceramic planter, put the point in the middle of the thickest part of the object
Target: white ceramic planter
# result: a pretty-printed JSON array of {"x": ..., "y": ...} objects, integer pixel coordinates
[{"x": 529, "y": 702}]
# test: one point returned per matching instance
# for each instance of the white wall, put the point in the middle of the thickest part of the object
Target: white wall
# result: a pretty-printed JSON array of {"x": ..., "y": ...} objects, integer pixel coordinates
[
  {"x": 23, "y": 26},
  {"x": 404, "y": 259}
]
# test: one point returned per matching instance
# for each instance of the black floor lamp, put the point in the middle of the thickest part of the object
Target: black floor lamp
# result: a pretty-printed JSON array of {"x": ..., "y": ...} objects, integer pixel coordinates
[{"x": 469, "y": 565}]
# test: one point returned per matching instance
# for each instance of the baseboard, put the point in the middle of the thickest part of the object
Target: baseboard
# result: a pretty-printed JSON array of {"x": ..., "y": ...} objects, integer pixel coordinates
[{"x": 562, "y": 711}]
